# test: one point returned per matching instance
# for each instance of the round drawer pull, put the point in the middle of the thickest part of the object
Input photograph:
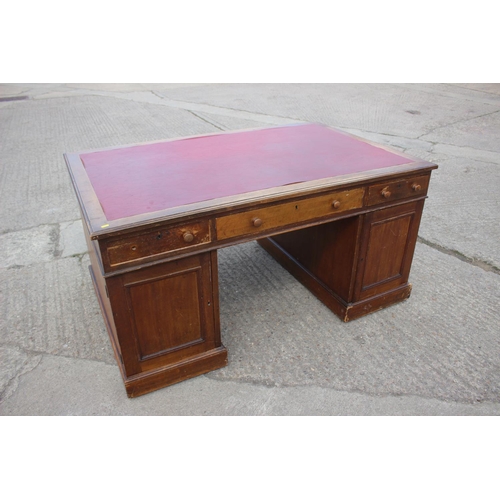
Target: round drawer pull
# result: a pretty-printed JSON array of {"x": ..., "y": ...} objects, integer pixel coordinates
[
  {"x": 256, "y": 222},
  {"x": 188, "y": 237},
  {"x": 416, "y": 187},
  {"x": 336, "y": 204},
  {"x": 386, "y": 193}
]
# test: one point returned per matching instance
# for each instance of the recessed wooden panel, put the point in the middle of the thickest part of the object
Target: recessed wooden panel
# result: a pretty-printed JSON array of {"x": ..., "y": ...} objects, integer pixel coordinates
[
  {"x": 166, "y": 313},
  {"x": 285, "y": 214},
  {"x": 388, "y": 241},
  {"x": 386, "y": 249}
]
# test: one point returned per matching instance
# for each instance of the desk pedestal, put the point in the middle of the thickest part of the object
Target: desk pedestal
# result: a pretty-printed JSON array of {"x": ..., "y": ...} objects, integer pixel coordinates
[
  {"x": 355, "y": 266},
  {"x": 163, "y": 321}
]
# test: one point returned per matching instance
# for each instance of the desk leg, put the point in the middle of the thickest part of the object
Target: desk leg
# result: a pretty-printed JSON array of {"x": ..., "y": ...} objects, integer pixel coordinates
[
  {"x": 355, "y": 266},
  {"x": 166, "y": 319}
]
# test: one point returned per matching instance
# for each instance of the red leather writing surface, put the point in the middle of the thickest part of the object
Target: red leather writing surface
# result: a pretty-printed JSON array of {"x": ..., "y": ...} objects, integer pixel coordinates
[{"x": 146, "y": 178}]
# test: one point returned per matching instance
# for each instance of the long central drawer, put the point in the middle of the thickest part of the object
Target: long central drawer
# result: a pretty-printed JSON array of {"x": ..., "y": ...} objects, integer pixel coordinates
[{"x": 261, "y": 220}]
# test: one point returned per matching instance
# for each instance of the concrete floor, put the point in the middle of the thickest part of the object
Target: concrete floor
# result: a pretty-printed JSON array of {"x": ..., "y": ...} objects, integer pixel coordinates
[{"x": 436, "y": 354}]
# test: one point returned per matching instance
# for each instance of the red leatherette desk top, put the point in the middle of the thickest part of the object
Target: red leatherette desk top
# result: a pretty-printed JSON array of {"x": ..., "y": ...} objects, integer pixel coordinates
[{"x": 152, "y": 177}]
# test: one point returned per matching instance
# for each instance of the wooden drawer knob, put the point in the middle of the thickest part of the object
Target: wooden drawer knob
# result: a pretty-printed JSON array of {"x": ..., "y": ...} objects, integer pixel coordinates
[
  {"x": 188, "y": 237},
  {"x": 256, "y": 222},
  {"x": 386, "y": 193},
  {"x": 416, "y": 187},
  {"x": 336, "y": 204}
]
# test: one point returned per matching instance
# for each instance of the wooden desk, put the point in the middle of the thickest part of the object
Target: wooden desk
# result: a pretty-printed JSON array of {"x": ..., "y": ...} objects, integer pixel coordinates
[{"x": 340, "y": 213}]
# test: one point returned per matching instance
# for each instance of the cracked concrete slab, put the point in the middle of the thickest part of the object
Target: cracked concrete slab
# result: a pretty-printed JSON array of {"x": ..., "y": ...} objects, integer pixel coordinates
[
  {"x": 387, "y": 108},
  {"x": 463, "y": 152},
  {"x": 442, "y": 343},
  {"x": 15, "y": 362},
  {"x": 480, "y": 133},
  {"x": 154, "y": 97},
  {"x": 50, "y": 307},
  {"x": 7, "y": 89},
  {"x": 462, "y": 212},
  {"x": 397, "y": 142},
  {"x": 62, "y": 386},
  {"x": 115, "y": 87},
  {"x": 128, "y": 87},
  {"x": 48, "y": 90},
  {"x": 233, "y": 122},
  {"x": 490, "y": 88},
  {"x": 29, "y": 246},
  {"x": 71, "y": 239},
  {"x": 482, "y": 93}
]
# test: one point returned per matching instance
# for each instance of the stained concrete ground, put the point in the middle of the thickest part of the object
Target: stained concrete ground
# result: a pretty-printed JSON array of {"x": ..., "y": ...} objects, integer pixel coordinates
[{"x": 435, "y": 354}]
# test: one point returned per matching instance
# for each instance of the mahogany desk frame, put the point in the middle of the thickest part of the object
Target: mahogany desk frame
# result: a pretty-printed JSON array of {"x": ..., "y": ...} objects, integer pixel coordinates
[{"x": 349, "y": 239}]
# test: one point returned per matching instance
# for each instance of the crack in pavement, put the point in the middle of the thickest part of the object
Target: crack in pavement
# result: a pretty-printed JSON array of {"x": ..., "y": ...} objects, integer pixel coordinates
[
  {"x": 142, "y": 97},
  {"x": 227, "y": 108},
  {"x": 205, "y": 120},
  {"x": 495, "y": 100},
  {"x": 485, "y": 266},
  {"x": 379, "y": 396},
  {"x": 454, "y": 123},
  {"x": 32, "y": 362}
]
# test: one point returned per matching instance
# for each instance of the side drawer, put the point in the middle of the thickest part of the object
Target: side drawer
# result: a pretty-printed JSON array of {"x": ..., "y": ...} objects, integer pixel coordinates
[
  {"x": 396, "y": 190},
  {"x": 157, "y": 242},
  {"x": 253, "y": 222}
]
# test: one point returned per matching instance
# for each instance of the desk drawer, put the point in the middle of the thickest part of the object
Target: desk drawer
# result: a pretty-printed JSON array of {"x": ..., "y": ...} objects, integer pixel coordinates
[
  {"x": 396, "y": 190},
  {"x": 157, "y": 242},
  {"x": 260, "y": 220}
]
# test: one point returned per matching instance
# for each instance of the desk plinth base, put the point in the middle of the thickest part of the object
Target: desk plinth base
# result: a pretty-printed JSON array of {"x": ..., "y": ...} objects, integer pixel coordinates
[
  {"x": 143, "y": 383},
  {"x": 344, "y": 310}
]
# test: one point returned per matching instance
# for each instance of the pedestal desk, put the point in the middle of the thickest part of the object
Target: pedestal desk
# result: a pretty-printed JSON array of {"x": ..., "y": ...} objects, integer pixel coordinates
[{"x": 338, "y": 212}]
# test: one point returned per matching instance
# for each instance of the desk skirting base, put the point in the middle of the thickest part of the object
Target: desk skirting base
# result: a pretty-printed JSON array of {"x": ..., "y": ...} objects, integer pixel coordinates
[
  {"x": 344, "y": 310},
  {"x": 143, "y": 383},
  {"x": 364, "y": 307}
]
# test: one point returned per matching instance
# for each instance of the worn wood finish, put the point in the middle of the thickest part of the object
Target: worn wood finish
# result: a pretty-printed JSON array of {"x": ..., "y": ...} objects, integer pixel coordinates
[
  {"x": 349, "y": 238},
  {"x": 397, "y": 190},
  {"x": 187, "y": 368},
  {"x": 287, "y": 214},
  {"x": 156, "y": 243}
]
